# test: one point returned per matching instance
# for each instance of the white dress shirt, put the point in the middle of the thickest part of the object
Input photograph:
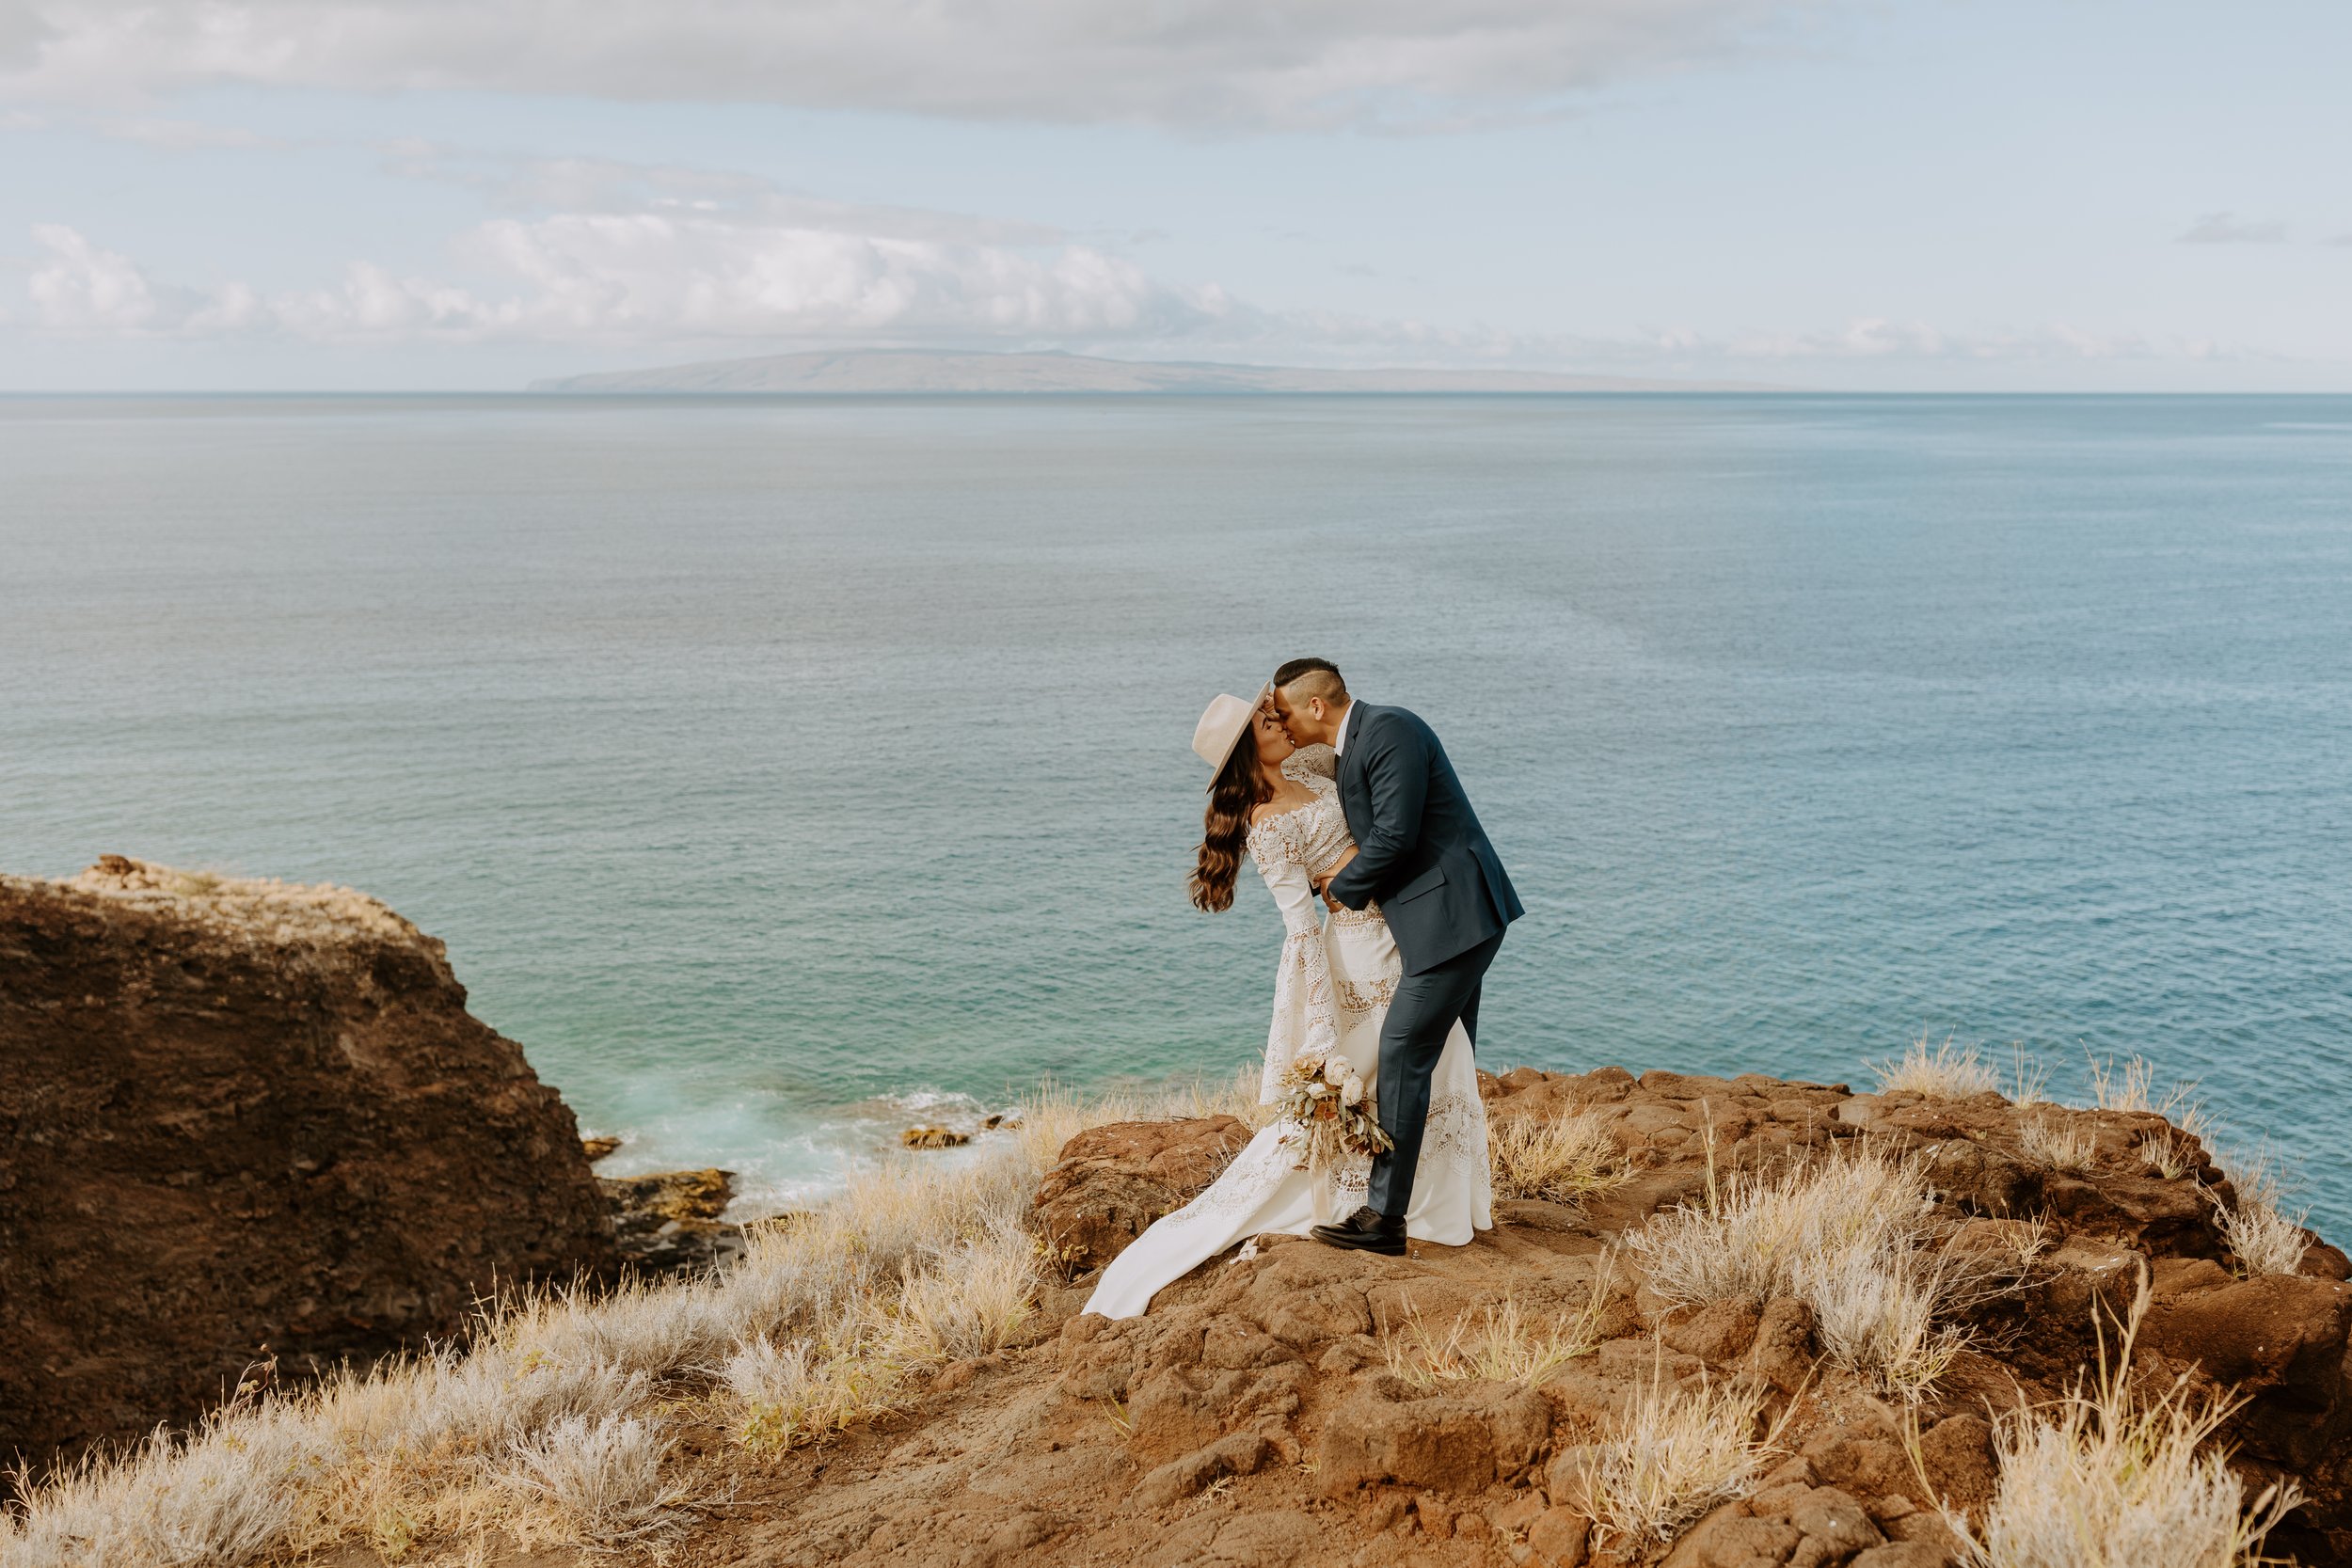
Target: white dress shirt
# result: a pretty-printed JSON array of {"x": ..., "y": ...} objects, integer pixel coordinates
[{"x": 1339, "y": 741}]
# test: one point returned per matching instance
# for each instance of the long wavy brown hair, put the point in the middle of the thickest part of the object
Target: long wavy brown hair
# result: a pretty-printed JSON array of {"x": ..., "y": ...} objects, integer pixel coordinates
[{"x": 1241, "y": 787}]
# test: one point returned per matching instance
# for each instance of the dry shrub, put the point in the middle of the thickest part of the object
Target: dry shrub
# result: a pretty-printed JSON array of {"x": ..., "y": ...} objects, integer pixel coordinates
[
  {"x": 1556, "y": 1158},
  {"x": 1236, "y": 1097},
  {"x": 2028, "y": 1078},
  {"x": 2170, "y": 1155},
  {"x": 1055, "y": 1113},
  {"x": 808, "y": 1390},
  {"x": 545, "y": 1422},
  {"x": 1674, "y": 1454},
  {"x": 2110, "y": 1478},
  {"x": 1503, "y": 1345},
  {"x": 918, "y": 1266},
  {"x": 1854, "y": 1236},
  {"x": 972, "y": 1300},
  {"x": 2130, "y": 1086},
  {"x": 592, "y": 1482},
  {"x": 2265, "y": 1238},
  {"x": 1941, "y": 1073},
  {"x": 221, "y": 1495},
  {"x": 2059, "y": 1140}
]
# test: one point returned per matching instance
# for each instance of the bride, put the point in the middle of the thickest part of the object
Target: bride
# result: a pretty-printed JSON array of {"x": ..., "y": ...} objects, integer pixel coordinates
[{"x": 1330, "y": 993}]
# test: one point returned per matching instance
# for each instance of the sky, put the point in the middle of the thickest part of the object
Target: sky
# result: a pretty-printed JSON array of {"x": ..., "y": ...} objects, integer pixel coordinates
[{"x": 1937, "y": 195}]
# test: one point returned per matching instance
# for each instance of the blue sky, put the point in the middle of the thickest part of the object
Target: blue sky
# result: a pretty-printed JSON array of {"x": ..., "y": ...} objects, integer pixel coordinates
[{"x": 431, "y": 194}]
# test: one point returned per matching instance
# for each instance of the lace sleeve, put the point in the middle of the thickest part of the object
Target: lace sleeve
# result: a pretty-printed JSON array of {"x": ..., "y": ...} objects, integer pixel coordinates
[
  {"x": 1306, "y": 1019},
  {"x": 1313, "y": 762}
]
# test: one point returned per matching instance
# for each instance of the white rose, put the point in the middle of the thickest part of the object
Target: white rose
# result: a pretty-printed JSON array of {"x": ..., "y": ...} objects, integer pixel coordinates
[{"x": 1352, "y": 1092}]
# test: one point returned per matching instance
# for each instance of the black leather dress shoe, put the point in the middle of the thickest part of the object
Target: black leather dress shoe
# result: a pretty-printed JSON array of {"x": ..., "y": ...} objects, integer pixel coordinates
[{"x": 1365, "y": 1231}]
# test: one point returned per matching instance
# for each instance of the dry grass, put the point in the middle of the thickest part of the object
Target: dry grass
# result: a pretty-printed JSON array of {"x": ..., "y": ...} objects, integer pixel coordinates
[
  {"x": 594, "y": 1482},
  {"x": 222, "y": 900},
  {"x": 1556, "y": 1158},
  {"x": 2028, "y": 1078},
  {"x": 1942, "y": 1073},
  {"x": 1676, "y": 1453},
  {"x": 1055, "y": 1114},
  {"x": 2170, "y": 1155},
  {"x": 2110, "y": 1478},
  {"x": 2130, "y": 1086},
  {"x": 806, "y": 1390},
  {"x": 2264, "y": 1238},
  {"x": 1854, "y": 1236},
  {"x": 552, "y": 1422},
  {"x": 1236, "y": 1097},
  {"x": 1502, "y": 1345},
  {"x": 2059, "y": 1140},
  {"x": 971, "y": 1301}
]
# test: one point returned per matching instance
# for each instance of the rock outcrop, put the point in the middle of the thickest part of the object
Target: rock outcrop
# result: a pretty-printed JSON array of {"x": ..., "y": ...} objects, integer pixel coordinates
[
  {"x": 667, "y": 1223},
  {"x": 244, "y": 1120},
  {"x": 1256, "y": 1414},
  {"x": 1113, "y": 1181}
]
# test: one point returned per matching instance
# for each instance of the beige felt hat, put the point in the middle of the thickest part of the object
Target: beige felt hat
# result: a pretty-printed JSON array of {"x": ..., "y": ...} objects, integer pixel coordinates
[{"x": 1221, "y": 728}]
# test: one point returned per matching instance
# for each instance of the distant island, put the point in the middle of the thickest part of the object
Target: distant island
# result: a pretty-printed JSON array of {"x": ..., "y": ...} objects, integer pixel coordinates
[{"x": 929, "y": 371}]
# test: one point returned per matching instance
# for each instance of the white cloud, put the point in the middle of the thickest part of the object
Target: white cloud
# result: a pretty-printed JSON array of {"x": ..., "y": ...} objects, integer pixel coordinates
[
  {"x": 1879, "y": 338},
  {"x": 2226, "y": 229},
  {"x": 1429, "y": 64},
  {"x": 81, "y": 288},
  {"x": 647, "y": 277},
  {"x": 699, "y": 284},
  {"x": 651, "y": 274}
]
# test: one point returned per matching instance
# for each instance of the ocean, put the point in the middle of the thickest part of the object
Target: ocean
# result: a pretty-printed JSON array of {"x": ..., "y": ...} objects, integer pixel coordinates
[{"x": 784, "y": 771}]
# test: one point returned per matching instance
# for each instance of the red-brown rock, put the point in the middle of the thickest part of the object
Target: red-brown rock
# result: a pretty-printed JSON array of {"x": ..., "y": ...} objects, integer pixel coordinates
[
  {"x": 1111, "y": 1182},
  {"x": 1465, "y": 1441},
  {"x": 1295, "y": 1346},
  {"x": 242, "y": 1121}
]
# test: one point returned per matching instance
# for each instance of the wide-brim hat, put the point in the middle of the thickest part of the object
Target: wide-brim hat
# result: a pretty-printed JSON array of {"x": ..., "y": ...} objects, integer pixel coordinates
[{"x": 1222, "y": 726}]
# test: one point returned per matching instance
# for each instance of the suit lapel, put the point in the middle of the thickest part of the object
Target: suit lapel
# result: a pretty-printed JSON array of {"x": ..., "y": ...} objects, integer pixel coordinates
[{"x": 1352, "y": 802}]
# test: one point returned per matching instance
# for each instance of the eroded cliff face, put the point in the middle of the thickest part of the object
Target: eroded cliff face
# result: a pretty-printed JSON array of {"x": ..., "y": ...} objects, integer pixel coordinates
[{"x": 241, "y": 1120}]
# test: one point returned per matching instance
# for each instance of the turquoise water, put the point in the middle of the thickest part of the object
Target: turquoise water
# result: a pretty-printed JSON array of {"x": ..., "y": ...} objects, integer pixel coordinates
[{"x": 780, "y": 771}]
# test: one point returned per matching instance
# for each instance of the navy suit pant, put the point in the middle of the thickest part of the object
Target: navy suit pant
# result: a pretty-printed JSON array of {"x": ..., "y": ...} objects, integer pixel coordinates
[{"x": 1412, "y": 1038}]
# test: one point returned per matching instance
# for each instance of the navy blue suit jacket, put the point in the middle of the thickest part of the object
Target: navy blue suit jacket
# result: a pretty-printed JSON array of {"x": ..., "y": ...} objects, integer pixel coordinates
[{"x": 1418, "y": 848}]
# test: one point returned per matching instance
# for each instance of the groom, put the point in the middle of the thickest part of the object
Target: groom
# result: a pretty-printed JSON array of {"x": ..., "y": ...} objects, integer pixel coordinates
[{"x": 1421, "y": 853}]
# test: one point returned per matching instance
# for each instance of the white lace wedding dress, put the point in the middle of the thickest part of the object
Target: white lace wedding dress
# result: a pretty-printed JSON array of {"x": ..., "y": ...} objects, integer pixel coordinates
[{"x": 1330, "y": 993}]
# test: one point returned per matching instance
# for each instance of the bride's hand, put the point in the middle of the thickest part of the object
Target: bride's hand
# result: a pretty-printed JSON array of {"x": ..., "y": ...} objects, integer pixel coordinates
[{"x": 1323, "y": 884}]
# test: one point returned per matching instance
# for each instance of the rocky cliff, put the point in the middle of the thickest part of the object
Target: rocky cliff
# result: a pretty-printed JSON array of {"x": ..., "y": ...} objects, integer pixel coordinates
[
  {"x": 1720, "y": 1323},
  {"x": 242, "y": 1121},
  {"x": 1261, "y": 1414}
]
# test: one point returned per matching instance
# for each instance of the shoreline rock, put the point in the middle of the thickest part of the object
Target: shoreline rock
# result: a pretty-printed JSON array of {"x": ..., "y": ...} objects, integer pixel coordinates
[{"x": 667, "y": 1223}]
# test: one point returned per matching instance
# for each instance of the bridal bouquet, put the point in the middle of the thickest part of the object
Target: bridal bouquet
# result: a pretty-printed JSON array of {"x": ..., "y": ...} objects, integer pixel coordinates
[{"x": 1323, "y": 1100}]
